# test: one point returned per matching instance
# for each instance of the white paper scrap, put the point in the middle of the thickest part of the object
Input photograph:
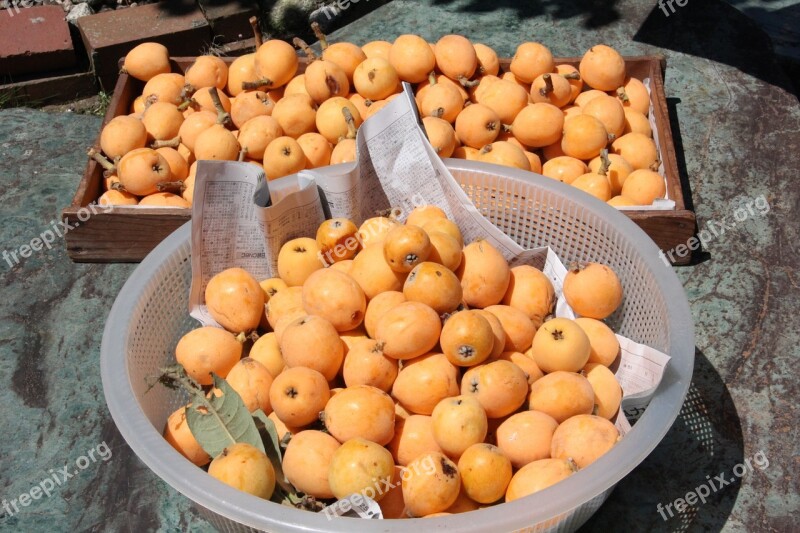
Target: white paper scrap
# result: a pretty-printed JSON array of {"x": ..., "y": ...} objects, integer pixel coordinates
[{"x": 356, "y": 506}]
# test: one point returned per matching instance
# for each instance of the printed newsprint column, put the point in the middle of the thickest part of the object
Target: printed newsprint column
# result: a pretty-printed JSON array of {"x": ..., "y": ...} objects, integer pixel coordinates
[{"x": 225, "y": 226}]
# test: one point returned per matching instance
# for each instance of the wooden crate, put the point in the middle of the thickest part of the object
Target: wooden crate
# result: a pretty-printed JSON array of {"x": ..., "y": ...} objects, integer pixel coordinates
[
  {"x": 668, "y": 227},
  {"x": 128, "y": 235},
  {"x": 118, "y": 234}
]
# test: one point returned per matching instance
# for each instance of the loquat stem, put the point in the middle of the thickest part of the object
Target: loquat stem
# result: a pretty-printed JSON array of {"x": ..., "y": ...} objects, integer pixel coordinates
[
  {"x": 622, "y": 95},
  {"x": 187, "y": 103},
  {"x": 257, "y": 37},
  {"x": 438, "y": 112},
  {"x": 507, "y": 128},
  {"x": 548, "y": 85},
  {"x": 611, "y": 137},
  {"x": 169, "y": 143},
  {"x": 302, "y": 45},
  {"x": 242, "y": 154},
  {"x": 117, "y": 186},
  {"x": 255, "y": 85},
  {"x": 174, "y": 378},
  {"x": 101, "y": 160},
  {"x": 351, "y": 123},
  {"x": 486, "y": 149},
  {"x": 572, "y": 75},
  {"x": 466, "y": 83},
  {"x": 223, "y": 117},
  {"x": 368, "y": 102},
  {"x": 175, "y": 187},
  {"x": 150, "y": 100},
  {"x": 603, "y": 171},
  {"x": 323, "y": 40},
  {"x": 432, "y": 77},
  {"x": 187, "y": 91}
]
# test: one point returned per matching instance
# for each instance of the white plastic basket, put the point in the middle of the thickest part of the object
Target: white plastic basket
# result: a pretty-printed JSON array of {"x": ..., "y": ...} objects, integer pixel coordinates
[{"x": 150, "y": 315}]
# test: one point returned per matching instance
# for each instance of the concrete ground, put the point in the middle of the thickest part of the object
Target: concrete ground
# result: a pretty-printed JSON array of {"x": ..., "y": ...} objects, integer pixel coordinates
[{"x": 736, "y": 125}]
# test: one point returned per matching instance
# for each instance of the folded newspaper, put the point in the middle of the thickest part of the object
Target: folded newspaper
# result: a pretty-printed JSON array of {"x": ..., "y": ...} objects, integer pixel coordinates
[{"x": 241, "y": 220}]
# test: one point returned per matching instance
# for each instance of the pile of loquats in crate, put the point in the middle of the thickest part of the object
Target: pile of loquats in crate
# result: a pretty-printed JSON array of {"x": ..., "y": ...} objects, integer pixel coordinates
[{"x": 585, "y": 126}]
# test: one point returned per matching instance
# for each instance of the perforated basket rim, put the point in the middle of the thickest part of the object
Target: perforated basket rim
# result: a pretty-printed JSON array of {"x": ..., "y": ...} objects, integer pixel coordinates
[{"x": 569, "y": 495}]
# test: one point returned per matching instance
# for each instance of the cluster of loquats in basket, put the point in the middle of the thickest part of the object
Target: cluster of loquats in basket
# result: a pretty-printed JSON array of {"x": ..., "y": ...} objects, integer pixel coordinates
[
  {"x": 397, "y": 363},
  {"x": 259, "y": 109}
]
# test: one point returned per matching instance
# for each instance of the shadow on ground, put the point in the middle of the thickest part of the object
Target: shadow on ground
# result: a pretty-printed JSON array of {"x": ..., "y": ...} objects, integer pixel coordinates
[
  {"x": 597, "y": 13},
  {"x": 699, "y": 255},
  {"x": 705, "y": 441},
  {"x": 719, "y": 32}
]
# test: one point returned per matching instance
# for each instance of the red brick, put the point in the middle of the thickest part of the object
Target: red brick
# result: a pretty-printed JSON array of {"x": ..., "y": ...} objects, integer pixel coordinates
[
  {"x": 34, "y": 39},
  {"x": 108, "y": 36},
  {"x": 230, "y": 21}
]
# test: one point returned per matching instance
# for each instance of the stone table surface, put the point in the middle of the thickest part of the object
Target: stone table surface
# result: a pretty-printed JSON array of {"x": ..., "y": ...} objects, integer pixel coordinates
[{"x": 738, "y": 132}]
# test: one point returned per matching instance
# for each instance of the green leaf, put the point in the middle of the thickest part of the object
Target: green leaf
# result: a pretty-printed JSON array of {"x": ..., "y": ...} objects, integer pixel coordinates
[
  {"x": 273, "y": 451},
  {"x": 220, "y": 421},
  {"x": 272, "y": 432}
]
